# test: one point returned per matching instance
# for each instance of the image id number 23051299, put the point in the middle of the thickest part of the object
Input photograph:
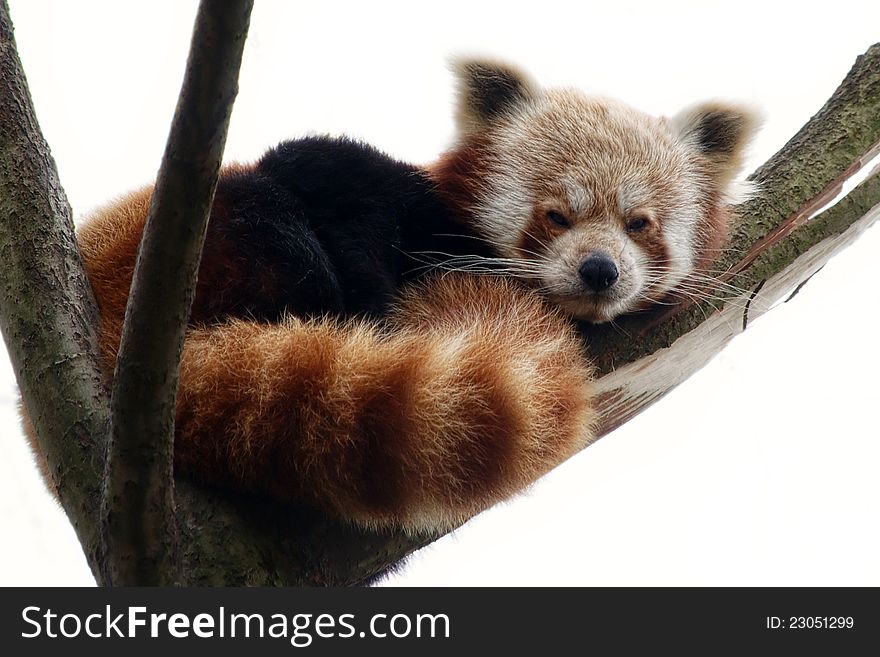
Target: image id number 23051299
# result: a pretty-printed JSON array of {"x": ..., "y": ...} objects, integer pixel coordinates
[{"x": 809, "y": 622}]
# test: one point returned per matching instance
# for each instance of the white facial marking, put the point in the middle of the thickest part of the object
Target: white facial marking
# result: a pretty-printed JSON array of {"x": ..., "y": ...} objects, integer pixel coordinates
[
  {"x": 681, "y": 217},
  {"x": 631, "y": 195},
  {"x": 580, "y": 199}
]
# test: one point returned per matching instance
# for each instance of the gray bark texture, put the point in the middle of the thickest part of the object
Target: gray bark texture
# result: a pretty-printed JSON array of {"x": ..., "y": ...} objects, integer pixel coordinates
[
  {"x": 47, "y": 310},
  {"x": 48, "y": 319},
  {"x": 140, "y": 529}
]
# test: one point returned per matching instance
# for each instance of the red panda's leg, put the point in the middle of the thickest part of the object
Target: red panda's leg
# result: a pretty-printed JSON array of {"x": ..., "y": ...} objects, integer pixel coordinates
[{"x": 475, "y": 392}]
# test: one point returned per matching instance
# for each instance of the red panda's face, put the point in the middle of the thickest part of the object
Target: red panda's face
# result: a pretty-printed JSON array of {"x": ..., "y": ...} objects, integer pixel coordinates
[
  {"x": 603, "y": 202},
  {"x": 604, "y": 209}
]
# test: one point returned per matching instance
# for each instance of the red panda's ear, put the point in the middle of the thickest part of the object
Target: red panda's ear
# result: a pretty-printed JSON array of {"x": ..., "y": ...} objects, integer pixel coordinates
[
  {"x": 720, "y": 133},
  {"x": 487, "y": 90}
]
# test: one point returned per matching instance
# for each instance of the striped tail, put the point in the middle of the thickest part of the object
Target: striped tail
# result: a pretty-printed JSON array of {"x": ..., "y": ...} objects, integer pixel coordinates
[
  {"x": 472, "y": 390},
  {"x": 469, "y": 391}
]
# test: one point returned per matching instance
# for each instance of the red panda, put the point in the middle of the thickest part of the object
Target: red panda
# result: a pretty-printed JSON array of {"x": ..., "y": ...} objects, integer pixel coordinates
[
  {"x": 334, "y": 360},
  {"x": 611, "y": 209}
]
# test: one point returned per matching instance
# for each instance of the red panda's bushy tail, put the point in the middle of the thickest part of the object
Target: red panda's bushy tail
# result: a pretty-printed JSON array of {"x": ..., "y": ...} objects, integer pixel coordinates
[
  {"x": 467, "y": 393},
  {"x": 471, "y": 391}
]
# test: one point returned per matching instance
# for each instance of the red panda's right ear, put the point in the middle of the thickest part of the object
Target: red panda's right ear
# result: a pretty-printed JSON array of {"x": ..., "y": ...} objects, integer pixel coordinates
[{"x": 487, "y": 90}]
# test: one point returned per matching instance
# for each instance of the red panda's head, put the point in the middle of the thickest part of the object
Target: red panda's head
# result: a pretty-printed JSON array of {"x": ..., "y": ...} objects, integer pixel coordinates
[{"x": 605, "y": 209}]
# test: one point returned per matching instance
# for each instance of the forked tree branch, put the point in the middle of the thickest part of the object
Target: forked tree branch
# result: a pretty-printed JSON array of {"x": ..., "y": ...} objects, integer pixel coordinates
[
  {"x": 234, "y": 540},
  {"x": 140, "y": 529}
]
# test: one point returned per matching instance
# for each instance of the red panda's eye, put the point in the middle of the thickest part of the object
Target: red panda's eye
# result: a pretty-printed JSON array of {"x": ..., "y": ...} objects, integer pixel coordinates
[
  {"x": 558, "y": 219},
  {"x": 636, "y": 225}
]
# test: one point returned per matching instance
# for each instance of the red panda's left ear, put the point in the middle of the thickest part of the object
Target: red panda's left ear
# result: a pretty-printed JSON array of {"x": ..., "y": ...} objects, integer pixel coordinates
[
  {"x": 720, "y": 133},
  {"x": 488, "y": 90}
]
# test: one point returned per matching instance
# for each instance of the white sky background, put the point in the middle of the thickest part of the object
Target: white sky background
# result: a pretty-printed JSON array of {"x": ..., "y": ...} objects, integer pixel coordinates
[{"x": 759, "y": 470}]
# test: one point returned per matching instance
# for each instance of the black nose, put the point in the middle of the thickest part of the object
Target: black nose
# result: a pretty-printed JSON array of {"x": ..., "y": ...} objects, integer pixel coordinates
[{"x": 599, "y": 272}]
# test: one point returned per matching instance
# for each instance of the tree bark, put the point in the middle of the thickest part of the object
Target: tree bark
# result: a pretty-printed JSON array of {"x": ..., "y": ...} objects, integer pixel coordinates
[
  {"x": 140, "y": 529},
  {"x": 48, "y": 320},
  {"x": 47, "y": 311}
]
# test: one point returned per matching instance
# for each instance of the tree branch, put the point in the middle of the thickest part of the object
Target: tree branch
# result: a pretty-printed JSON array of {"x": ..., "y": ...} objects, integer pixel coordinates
[
  {"x": 48, "y": 319},
  {"x": 140, "y": 522},
  {"x": 47, "y": 311}
]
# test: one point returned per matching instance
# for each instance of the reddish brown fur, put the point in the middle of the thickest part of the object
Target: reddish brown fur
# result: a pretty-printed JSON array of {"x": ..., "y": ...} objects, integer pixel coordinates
[
  {"x": 652, "y": 242},
  {"x": 109, "y": 243},
  {"x": 420, "y": 426},
  {"x": 539, "y": 232},
  {"x": 472, "y": 389},
  {"x": 457, "y": 174}
]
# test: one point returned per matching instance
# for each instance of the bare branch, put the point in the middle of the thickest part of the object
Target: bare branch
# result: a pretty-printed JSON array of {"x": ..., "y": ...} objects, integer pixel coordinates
[
  {"x": 47, "y": 311},
  {"x": 140, "y": 523}
]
